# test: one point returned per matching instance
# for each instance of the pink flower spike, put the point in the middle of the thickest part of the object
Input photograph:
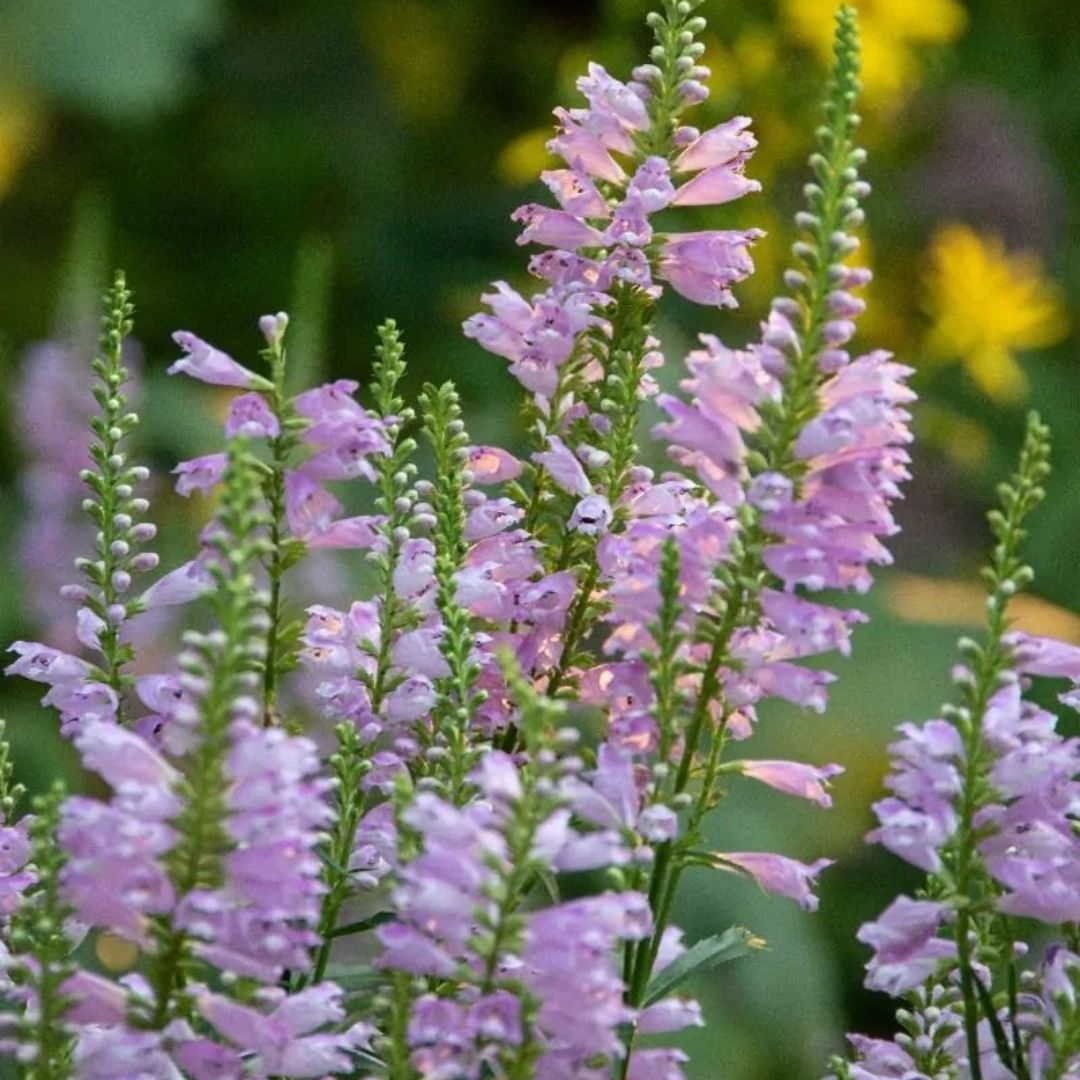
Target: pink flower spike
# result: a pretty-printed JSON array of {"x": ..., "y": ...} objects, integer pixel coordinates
[
  {"x": 211, "y": 365},
  {"x": 794, "y": 778},
  {"x": 778, "y": 874}
]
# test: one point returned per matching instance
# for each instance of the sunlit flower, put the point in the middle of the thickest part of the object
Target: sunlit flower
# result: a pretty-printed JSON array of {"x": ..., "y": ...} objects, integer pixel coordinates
[{"x": 987, "y": 304}]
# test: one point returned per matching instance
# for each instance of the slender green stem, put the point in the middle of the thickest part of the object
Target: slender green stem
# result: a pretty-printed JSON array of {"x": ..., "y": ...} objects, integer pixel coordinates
[
  {"x": 1005, "y": 575},
  {"x": 350, "y": 763},
  {"x": 41, "y": 952},
  {"x": 275, "y": 500},
  {"x": 399, "y": 1067},
  {"x": 112, "y": 507},
  {"x": 666, "y": 869},
  {"x": 224, "y": 664}
]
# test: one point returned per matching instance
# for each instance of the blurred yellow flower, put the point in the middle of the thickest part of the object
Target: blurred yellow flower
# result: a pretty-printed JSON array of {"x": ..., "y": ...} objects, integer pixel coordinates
[
  {"x": 20, "y": 133},
  {"x": 522, "y": 159},
  {"x": 965, "y": 441},
  {"x": 986, "y": 304},
  {"x": 115, "y": 953},
  {"x": 416, "y": 47},
  {"x": 891, "y": 32},
  {"x": 939, "y": 601}
]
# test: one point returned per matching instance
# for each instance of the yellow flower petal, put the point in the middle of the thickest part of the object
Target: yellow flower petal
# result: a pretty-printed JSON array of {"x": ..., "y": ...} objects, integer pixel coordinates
[{"x": 986, "y": 304}]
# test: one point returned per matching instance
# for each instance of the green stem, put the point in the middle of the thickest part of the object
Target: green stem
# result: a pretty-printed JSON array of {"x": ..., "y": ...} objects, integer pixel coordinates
[
  {"x": 394, "y": 472},
  {"x": 350, "y": 811},
  {"x": 195, "y": 861},
  {"x": 399, "y": 1066},
  {"x": 666, "y": 869},
  {"x": 281, "y": 447},
  {"x": 1005, "y": 575},
  {"x": 275, "y": 499}
]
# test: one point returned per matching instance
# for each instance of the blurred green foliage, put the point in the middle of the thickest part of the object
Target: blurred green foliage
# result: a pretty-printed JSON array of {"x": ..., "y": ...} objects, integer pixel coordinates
[{"x": 353, "y": 159}]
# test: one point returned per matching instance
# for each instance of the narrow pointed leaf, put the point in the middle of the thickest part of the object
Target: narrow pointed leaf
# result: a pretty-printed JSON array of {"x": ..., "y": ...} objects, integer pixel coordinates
[
  {"x": 361, "y": 926},
  {"x": 708, "y": 953}
]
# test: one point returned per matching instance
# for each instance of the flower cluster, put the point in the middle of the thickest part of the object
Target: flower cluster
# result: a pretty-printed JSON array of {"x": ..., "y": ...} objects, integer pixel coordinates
[
  {"x": 534, "y": 703},
  {"x": 984, "y": 801}
]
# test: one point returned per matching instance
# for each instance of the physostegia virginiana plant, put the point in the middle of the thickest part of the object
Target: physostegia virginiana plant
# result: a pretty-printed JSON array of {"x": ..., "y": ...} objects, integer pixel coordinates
[{"x": 392, "y": 907}]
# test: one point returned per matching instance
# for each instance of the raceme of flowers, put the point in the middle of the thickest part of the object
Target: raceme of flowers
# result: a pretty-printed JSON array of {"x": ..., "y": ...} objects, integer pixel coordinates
[
  {"x": 338, "y": 836},
  {"x": 984, "y": 801}
]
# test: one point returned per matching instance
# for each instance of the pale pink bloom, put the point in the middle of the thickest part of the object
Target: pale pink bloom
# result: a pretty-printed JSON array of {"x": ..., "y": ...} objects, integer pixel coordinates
[
  {"x": 794, "y": 778},
  {"x": 778, "y": 874},
  {"x": 492, "y": 465},
  {"x": 250, "y": 417},
  {"x": 200, "y": 474},
  {"x": 715, "y": 186},
  {"x": 564, "y": 467},
  {"x": 719, "y": 145},
  {"x": 210, "y": 365}
]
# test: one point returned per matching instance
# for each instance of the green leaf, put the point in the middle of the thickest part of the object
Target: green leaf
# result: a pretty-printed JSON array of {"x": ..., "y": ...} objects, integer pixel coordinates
[
  {"x": 292, "y": 551},
  {"x": 708, "y": 953},
  {"x": 354, "y": 976},
  {"x": 550, "y": 884},
  {"x": 362, "y": 925},
  {"x": 368, "y": 1059}
]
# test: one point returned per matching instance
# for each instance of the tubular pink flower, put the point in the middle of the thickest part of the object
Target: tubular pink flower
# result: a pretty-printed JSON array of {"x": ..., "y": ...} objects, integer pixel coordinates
[
  {"x": 778, "y": 874},
  {"x": 720, "y": 145},
  {"x": 715, "y": 186},
  {"x": 210, "y": 365},
  {"x": 703, "y": 266},
  {"x": 200, "y": 474},
  {"x": 794, "y": 778}
]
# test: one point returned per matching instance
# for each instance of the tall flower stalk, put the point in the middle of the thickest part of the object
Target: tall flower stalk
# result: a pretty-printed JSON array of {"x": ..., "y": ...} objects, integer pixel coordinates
[
  {"x": 395, "y": 502},
  {"x": 284, "y": 552},
  {"x": 220, "y": 669},
  {"x": 804, "y": 329},
  {"x": 990, "y": 660},
  {"x": 982, "y": 800},
  {"x": 42, "y": 962}
]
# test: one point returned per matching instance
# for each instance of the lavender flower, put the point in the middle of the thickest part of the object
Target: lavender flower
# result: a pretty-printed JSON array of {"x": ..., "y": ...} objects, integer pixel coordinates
[
  {"x": 666, "y": 606},
  {"x": 207, "y": 364},
  {"x": 907, "y": 950},
  {"x": 115, "y": 877},
  {"x": 262, "y": 920}
]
